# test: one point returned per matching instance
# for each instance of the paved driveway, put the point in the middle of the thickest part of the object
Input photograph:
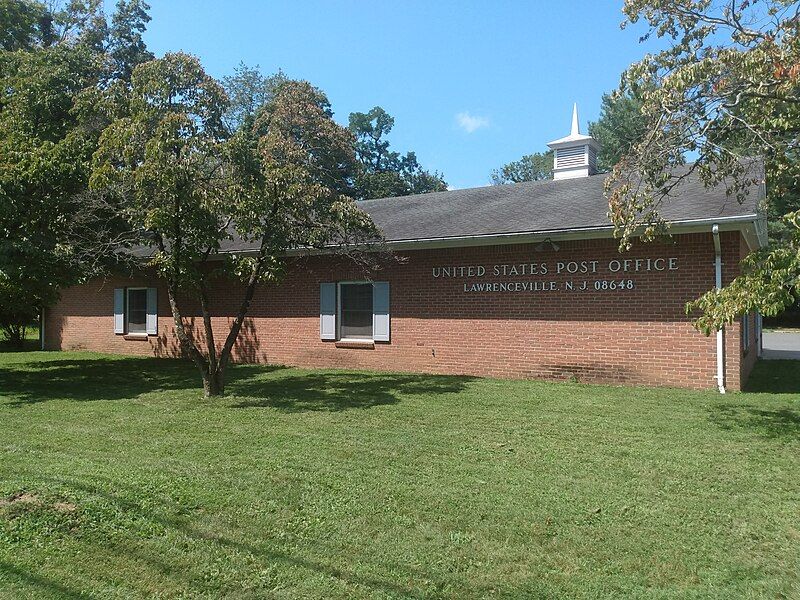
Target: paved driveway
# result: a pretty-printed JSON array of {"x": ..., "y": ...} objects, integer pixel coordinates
[{"x": 781, "y": 345}]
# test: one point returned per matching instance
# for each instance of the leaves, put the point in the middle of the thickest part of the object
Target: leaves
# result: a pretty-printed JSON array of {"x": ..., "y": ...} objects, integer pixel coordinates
[
  {"x": 724, "y": 91},
  {"x": 383, "y": 173},
  {"x": 619, "y": 127},
  {"x": 59, "y": 91},
  {"x": 281, "y": 182},
  {"x": 532, "y": 167}
]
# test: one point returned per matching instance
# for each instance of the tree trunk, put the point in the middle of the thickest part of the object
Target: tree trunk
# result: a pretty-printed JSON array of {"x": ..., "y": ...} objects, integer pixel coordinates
[
  {"x": 187, "y": 344},
  {"x": 213, "y": 383},
  {"x": 15, "y": 335},
  {"x": 236, "y": 327}
]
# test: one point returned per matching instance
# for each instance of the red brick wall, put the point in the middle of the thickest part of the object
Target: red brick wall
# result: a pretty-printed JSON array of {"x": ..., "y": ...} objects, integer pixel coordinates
[{"x": 641, "y": 335}]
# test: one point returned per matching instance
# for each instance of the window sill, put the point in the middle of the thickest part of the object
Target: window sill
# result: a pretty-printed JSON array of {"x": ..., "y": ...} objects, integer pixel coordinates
[
  {"x": 141, "y": 337},
  {"x": 356, "y": 344}
]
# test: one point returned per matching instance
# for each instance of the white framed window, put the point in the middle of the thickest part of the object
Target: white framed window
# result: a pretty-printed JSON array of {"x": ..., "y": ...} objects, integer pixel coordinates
[
  {"x": 354, "y": 311},
  {"x": 136, "y": 315},
  {"x": 136, "y": 311}
]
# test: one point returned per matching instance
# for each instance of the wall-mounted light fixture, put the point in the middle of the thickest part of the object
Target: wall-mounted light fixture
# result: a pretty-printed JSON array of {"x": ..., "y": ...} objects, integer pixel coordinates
[{"x": 547, "y": 246}]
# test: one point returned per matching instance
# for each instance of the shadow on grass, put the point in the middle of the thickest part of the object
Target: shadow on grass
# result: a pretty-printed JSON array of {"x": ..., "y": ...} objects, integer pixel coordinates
[
  {"x": 40, "y": 380},
  {"x": 52, "y": 587},
  {"x": 768, "y": 377},
  {"x": 775, "y": 377},
  {"x": 114, "y": 378},
  {"x": 166, "y": 517},
  {"x": 338, "y": 390},
  {"x": 770, "y": 423},
  {"x": 28, "y": 345}
]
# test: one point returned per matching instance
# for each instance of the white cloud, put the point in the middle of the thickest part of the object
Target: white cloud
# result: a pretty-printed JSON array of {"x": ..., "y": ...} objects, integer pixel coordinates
[{"x": 470, "y": 123}]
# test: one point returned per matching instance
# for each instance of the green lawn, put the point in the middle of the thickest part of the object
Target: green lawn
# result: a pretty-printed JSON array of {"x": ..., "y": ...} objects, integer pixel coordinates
[
  {"x": 117, "y": 480},
  {"x": 31, "y": 341}
]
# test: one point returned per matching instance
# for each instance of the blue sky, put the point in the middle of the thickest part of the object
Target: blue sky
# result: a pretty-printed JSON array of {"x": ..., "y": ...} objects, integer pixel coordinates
[{"x": 472, "y": 85}]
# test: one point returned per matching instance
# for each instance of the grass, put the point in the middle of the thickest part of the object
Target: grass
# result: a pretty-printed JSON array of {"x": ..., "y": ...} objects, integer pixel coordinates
[
  {"x": 117, "y": 480},
  {"x": 31, "y": 341}
]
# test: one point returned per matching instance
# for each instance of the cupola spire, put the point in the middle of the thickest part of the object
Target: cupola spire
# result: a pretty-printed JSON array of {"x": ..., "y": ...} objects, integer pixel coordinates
[
  {"x": 575, "y": 126},
  {"x": 574, "y": 155}
]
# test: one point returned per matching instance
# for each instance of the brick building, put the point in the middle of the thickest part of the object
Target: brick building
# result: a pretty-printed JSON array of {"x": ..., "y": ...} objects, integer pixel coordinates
[{"x": 521, "y": 280}]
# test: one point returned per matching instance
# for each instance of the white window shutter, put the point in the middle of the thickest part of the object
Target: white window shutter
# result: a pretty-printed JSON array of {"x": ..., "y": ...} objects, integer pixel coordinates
[
  {"x": 119, "y": 310},
  {"x": 380, "y": 311},
  {"x": 152, "y": 311},
  {"x": 327, "y": 311}
]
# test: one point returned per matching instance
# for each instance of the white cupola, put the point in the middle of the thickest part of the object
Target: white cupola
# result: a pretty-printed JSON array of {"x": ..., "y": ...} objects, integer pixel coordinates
[{"x": 574, "y": 155}]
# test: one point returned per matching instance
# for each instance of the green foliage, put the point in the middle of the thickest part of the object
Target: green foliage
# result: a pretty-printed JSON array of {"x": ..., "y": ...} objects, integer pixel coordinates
[
  {"x": 383, "y": 173},
  {"x": 22, "y": 24},
  {"x": 45, "y": 147},
  {"x": 61, "y": 70},
  {"x": 160, "y": 163},
  {"x": 16, "y": 311},
  {"x": 248, "y": 90},
  {"x": 726, "y": 90},
  {"x": 531, "y": 167},
  {"x": 371, "y": 147},
  {"x": 620, "y": 126},
  {"x": 769, "y": 283},
  {"x": 282, "y": 181},
  {"x": 362, "y": 485},
  {"x": 300, "y": 194},
  {"x": 125, "y": 45}
]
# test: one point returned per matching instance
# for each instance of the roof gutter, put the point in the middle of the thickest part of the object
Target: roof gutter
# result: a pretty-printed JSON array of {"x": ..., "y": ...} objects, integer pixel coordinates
[
  {"x": 598, "y": 231},
  {"x": 747, "y": 223}
]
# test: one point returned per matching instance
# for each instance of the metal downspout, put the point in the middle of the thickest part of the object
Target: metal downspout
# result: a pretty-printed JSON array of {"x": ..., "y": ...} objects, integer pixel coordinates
[{"x": 720, "y": 335}]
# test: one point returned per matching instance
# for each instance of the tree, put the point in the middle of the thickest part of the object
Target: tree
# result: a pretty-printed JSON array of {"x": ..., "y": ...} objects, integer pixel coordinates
[
  {"x": 52, "y": 110},
  {"x": 531, "y": 167},
  {"x": 15, "y": 312},
  {"x": 280, "y": 184},
  {"x": 726, "y": 90},
  {"x": 619, "y": 127},
  {"x": 125, "y": 45},
  {"x": 382, "y": 172},
  {"x": 44, "y": 156},
  {"x": 23, "y": 24},
  {"x": 248, "y": 90}
]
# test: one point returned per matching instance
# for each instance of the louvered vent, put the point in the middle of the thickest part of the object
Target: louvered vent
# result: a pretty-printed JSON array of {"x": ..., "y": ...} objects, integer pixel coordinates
[
  {"x": 575, "y": 154},
  {"x": 570, "y": 157}
]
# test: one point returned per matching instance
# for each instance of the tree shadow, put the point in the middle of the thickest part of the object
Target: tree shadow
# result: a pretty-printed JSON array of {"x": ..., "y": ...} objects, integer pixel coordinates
[
  {"x": 111, "y": 378},
  {"x": 52, "y": 587},
  {"x": 773, "y": 424},
  {"x": 28, "y": 345},
  {"x": 166, "y": 517},
  {"x": 338, "y": 390},
  {"x": 117, "y": 378},
  {"x": 92, "y": 379},
  {"x": 775, "y": 377}
]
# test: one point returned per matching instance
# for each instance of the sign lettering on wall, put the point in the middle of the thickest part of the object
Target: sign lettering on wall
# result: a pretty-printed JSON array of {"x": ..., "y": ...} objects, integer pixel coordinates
[{"x": 612, "y": 275}]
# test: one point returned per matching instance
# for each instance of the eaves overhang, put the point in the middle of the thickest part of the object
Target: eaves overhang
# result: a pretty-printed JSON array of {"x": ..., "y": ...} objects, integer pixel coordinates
[{"x": 751, "y": 226}]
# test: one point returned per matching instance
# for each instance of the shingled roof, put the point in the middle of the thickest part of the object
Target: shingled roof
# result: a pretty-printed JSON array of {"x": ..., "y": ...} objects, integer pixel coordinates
[{"x": 537, "y": 207}]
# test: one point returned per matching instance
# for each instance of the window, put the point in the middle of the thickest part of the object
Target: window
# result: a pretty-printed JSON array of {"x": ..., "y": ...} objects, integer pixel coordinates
[
  {"x": 356, "y": 311},
  {"x": 137, "y": 310}
]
